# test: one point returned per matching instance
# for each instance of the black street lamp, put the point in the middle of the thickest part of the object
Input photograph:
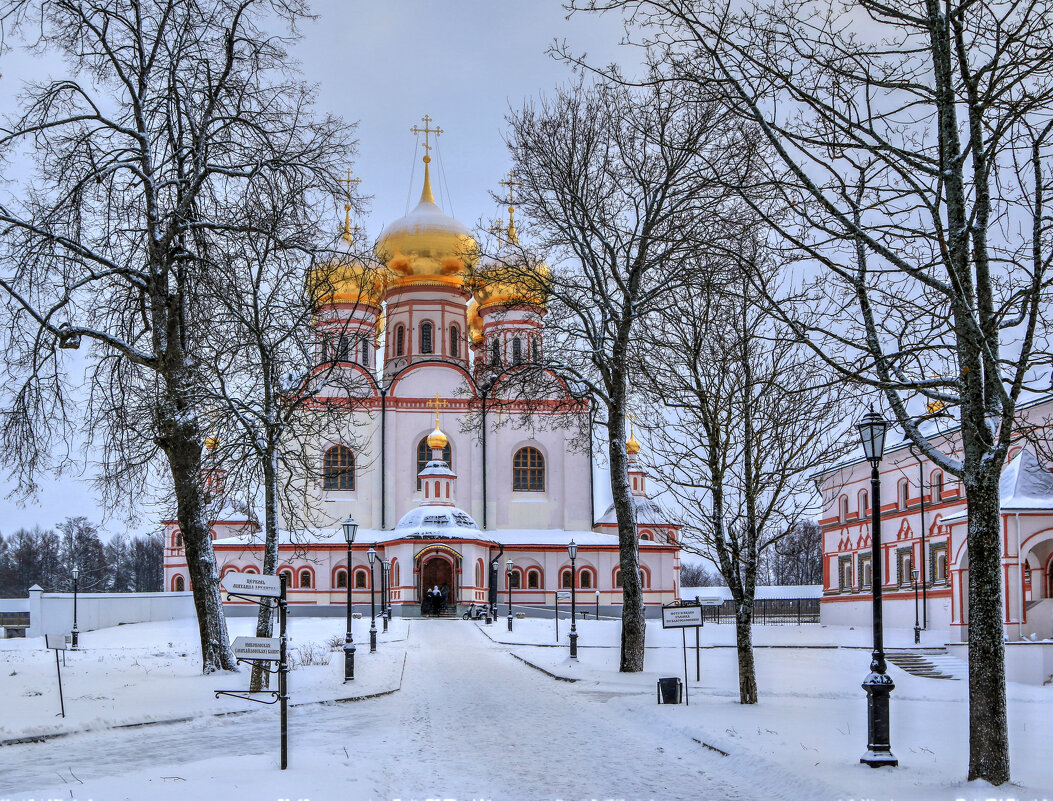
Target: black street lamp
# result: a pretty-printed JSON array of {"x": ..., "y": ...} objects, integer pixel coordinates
[
  {"x": 385, "y": 591},
  {"x": 350, "y": 529},
  {"x": 597, "y": 604},
  {"x": 509, "y": 576},
  {"x": 75, "y": 635},
  {"x": 914, "y": 574},
  {"x": 877, "y": 684},
  {"x": 572, "y": 551},
  {"x": 372, "y": 603}
]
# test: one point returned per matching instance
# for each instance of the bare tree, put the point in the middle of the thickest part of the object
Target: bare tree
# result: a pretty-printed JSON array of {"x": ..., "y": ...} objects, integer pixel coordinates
[
  {"x": 797, "y": 558},
  {"x": 614, "y": 189},
  {"x": 175, "y": 115},
  {"x": 748, "y": 414},
  {"x": 913, "y": 146}
]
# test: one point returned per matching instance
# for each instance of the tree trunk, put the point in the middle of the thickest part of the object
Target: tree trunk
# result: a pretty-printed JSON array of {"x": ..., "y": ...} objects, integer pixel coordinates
[
  {"x": 182, "y": 446},
  {"x": 265, "y": 620},
  {"x": 744, "y": 647},
  {"x": 634, "y": 625},
  {"x": 988, "y": 723}
]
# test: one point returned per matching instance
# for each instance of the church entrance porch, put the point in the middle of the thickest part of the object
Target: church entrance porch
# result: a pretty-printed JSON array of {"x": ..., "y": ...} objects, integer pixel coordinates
[{"x": 437, "y": 571}]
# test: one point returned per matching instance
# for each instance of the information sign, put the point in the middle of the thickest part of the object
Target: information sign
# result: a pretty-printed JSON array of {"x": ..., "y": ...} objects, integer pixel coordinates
[
  {"x": 252, "y": 584},
  {"x": 678, "y": 617},
  {"x": 60, "y": 642},
  {"x": 266, "y": 648}
]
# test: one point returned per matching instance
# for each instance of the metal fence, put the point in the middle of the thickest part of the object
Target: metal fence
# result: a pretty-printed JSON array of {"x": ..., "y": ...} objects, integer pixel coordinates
[{"x": 768, "y": 612}]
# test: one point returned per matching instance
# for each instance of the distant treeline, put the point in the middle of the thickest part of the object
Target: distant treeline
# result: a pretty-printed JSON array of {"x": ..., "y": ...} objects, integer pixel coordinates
[{"x": 47, "y": 556}]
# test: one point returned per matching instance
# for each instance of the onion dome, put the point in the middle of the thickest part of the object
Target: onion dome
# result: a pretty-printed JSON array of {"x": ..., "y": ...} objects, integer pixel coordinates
[
  {"x": 511, "y": 279},
  {"x": 436, "y": 439},
  {"x": 211, "y": 443},
  {"x": 344, "y": 278},
  {"x": 427, "y": 246},
  {"x": 632, "y": 447},
  {"x": 475, "y": 322}
]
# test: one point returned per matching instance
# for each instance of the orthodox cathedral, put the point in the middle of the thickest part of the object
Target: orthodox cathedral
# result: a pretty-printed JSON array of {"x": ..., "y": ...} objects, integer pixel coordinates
[{"x": 446, "y": 492}]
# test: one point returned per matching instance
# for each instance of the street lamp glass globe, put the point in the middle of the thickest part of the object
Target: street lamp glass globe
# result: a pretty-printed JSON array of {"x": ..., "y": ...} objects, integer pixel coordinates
[
  {"x": 372, "y": 555},
  {"x": 872, "y": 430},
  {"x": 75, "y": 572},
  {"x": 350, "y": 529},
  {"x": 572, "y": 550}
]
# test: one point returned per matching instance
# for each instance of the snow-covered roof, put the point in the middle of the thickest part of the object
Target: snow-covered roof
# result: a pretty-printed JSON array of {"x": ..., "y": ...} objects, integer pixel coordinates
[
  {"x": 437, "y": 522},
  {"x": 762, "y": 593},
  {"x": 648, "y": 513},
  {"x": 1026, "y": 483},
  {"x": 509, "y": 537}
]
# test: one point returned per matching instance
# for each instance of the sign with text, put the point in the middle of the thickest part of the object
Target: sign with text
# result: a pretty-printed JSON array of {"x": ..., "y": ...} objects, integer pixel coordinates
[
  {"x": 266, "y": 648},
  {"x": 679, "y": 617},
  {"x": 709, "y": 600},
  {"x": 252, "y": 584}
]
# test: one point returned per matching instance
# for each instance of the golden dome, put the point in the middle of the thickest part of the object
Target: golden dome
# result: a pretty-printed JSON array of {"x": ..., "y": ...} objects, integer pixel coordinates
[
  {"x": 632, "y": 447},
  {"x": 211, "y": 443},
  {"x": 436, "y": 439},
  {"x": 475, "y": 322},
  {"x": 512, "y": 284},
  {"x": 347, "y": 281},
  {"x": 427, "y": 246}
]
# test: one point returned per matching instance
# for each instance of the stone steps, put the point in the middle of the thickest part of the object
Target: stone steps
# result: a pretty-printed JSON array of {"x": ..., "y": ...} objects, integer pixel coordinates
[{"x": 929, "y": 663}]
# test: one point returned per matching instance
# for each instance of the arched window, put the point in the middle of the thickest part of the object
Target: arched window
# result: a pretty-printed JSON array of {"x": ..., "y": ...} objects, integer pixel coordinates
[
  {"x": 394, "y": 573},
  {"x": 365, "y": 353},
  {"x": 903, "y": 494},
  {"x": 426, "y": 345},
  {"x": 566, "y": 579},
  {"x": 495, "y": 353},
  {"x": 338, "y": 469},
  {"x": 535, "y": 350},
  {"x": 842, "y": 509},
  {"x": 528, "y": 470},
  {"x": 864, "y": 502},
  {"x": 941, "y": 567},
  {"x": 618, "y": 578},
  {"x": 178, "y": 539},
  {"x": 533, "y": 579},
  {"x": 479, "y": 574},
  {"x": 179, "y": 585},
  {"x": 305, "y": 580},
  {"x": 936, "y": 482},
  {"x": 455, "y": 342},
  {"x": 517, "y": 350},
  {"x": 424, "y": 456},
  {"x": 341, "y": 580},
  {"x": 361, "y": 580},
  {"x": 343, "y": 349},
  {"x": 515, "y": 577},
  {"x": 400, "y": 340},
  {"x": 585, "y": 579},
  {"x": 288, "y": 576}
]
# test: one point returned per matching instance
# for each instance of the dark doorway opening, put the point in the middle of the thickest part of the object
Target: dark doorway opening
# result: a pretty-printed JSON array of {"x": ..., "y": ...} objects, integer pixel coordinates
[{"x": 437, "y": 572}]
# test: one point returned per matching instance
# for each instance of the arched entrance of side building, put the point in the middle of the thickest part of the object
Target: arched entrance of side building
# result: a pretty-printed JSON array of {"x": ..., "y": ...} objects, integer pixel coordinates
[{"x": 438, "y": 568}]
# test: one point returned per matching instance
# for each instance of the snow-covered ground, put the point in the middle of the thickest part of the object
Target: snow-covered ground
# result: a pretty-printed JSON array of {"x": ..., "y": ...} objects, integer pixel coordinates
[
  {"x": 472, "y": 722},
  {"x": 152, "y": 671}
]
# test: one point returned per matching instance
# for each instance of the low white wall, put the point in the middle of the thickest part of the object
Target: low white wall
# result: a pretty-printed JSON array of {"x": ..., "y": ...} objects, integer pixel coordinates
[
  {"x": 1025, "y": 662},
  {"x": 14, "y": 604},
  {"x": 52, "y": 612},
  {"x": 897, "y": 613}
]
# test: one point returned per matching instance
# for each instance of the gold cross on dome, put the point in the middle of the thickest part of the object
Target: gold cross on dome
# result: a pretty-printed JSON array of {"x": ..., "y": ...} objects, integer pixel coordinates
[
  {"x": 435, "y": 404},
  {"x": 426, "y": 130},
  {"x": 511, "y": 183},
  {"x": 350, "y": 182}
]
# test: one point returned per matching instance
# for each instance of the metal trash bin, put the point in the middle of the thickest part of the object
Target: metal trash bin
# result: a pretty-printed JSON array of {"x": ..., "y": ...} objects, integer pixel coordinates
[{"x": 670, "y": 691}]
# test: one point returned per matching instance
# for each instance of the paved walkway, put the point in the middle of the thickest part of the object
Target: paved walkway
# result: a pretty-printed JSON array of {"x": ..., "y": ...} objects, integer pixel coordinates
[{"x": 470, "y": 722}]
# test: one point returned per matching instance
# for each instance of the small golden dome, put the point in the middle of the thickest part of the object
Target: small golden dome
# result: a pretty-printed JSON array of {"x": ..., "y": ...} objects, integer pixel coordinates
[
  {"x": 475, "y": 322},
  {"x": 347, "y": 280},
  {"x": 632, "y": 447},
  {"x": 211, "y": 443},
  {"x": 427, "y": 246},
  {"x": 436, "y": 439},
  {"x": 512, "y": 284}
]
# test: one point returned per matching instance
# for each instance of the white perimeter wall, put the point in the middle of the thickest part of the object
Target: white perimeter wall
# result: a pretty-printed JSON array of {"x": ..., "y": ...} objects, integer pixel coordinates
[
  {"x": 897, "y": 613},
  {"x": 52, "y": 612}
]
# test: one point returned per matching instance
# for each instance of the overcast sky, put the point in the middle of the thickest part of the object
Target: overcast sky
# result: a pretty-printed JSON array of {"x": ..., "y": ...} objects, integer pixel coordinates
[{"x": 385, "y": 65}]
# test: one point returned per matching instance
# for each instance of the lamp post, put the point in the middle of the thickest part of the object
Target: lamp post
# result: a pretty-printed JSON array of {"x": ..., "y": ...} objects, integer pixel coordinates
[
  {"x": 509, "y": 565},
  {"x": 597, "y": 604},
  {"x": 372, "y": 603},
  {"x": 914, "y": 574},
  {"x": 350, "y": 529},
  {"x": 385, "y": 588},
  {"x": 75, "y": 635},
  {"x": 572, "y": 551},
  {"x": 878, "y": 684}
]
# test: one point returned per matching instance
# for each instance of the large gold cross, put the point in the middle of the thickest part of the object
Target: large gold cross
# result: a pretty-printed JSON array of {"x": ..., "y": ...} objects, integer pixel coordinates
[
  {"x": 426, "y": 130},
  {"x": 349, "y": 181},
  {"x": 435, "y": 404},
  {"x": 511, "y": 183}
]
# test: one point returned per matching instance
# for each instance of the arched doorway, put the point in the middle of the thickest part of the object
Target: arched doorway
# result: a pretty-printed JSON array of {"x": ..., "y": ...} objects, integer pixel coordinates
[{"x": 437, "y": 570}]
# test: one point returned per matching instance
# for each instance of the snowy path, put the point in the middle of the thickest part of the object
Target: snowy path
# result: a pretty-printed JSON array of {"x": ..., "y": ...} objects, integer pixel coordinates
[{"x": 470, "y": 722}]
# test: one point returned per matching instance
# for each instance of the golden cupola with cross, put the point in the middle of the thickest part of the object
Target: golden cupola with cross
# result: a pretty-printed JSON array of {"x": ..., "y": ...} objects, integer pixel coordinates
[{"x": 427, "y": 246}]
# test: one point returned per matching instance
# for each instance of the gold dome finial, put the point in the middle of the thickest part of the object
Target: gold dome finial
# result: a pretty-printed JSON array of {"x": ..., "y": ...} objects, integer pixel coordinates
[
  {"x": 211, "y": 443},
  {"x": 347, "y": 232},
  {"x": 632, "y": 447},
  {"x": 511, "y": 183},
  {"x": 426, "y": 193},
  {"x": 436, "y": 439}
]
